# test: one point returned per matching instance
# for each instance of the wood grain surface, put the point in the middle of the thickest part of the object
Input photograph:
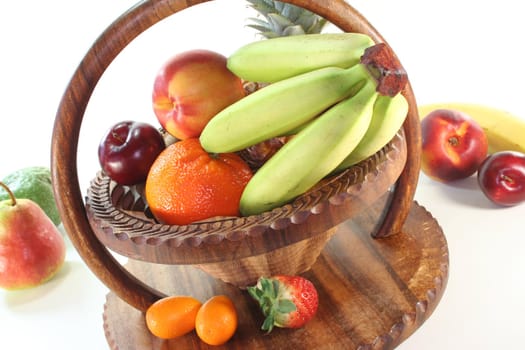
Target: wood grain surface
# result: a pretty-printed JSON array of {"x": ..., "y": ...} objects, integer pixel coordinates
[{"x": 374, "y": 293}]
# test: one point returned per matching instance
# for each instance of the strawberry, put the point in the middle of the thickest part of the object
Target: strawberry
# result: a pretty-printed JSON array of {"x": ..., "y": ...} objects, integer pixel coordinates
[{"x": 286, "y": 301}]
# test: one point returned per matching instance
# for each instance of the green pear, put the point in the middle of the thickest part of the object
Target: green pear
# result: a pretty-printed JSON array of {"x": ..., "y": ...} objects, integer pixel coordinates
[
  {"x": 32, "y": 249},
  {"x": 33, "y": 183}
]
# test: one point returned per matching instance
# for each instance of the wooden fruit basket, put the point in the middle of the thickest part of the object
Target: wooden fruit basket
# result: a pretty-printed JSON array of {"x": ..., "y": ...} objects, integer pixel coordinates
[{"x": 364, "y": 218}]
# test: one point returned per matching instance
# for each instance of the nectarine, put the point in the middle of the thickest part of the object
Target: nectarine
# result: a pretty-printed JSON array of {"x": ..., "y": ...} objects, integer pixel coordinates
[
  {"x": 190, "y": 89},
  {"x": 453, "y": 145}
]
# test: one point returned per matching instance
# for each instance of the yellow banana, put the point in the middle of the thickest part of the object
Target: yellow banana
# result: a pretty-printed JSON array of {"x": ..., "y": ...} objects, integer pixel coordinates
[
  {"x": 278, "y": 108},
  {"x": 275, "y": 59},
  {"x": 504, "y": 130},
  {"x": 312, "y": 154},
  {"x": 388, "y": 117}
]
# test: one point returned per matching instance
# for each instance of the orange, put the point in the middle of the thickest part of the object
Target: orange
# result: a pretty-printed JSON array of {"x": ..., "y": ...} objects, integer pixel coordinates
[
  {"x": 186, "y": 184},
  {"x": 173, "y": 316},
  {"x": 216, "y": 320}
]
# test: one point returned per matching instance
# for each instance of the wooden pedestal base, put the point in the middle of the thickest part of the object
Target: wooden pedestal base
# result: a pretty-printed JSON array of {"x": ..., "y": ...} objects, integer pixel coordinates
[{"x": 374, "y": 293}]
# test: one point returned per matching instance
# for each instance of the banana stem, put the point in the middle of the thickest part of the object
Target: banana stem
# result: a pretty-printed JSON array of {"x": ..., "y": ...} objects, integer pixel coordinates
[
  {"x": 385, "y": 67},
  {"x": 9, "y": 192}
]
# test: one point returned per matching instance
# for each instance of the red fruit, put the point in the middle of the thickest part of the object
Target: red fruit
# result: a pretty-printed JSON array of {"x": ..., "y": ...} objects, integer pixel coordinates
[
  {"x": 127, "y": 151},
  {"x": 501, "y": 177},
  {"x": 190, "y": 89},
  {"x": 453, "y": 145},
  {"x": 286, "y": 301}
]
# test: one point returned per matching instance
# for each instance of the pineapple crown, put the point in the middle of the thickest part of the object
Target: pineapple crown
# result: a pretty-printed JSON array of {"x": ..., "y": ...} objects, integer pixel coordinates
[{"x": 283, "y": 19}]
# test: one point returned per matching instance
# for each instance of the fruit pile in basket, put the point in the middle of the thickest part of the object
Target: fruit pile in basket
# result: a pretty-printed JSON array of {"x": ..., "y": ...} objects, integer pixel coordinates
[{"x": 322, "y": 103}]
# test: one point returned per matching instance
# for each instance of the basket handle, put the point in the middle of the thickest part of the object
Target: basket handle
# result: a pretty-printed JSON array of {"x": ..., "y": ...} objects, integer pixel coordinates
[{"x": 73, "y": 105}]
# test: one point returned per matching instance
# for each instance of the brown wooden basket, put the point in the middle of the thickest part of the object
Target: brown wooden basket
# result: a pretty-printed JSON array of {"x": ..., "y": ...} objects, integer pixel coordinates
[
  {"x": 286, "y": 240},
  {"x": 232, "y": 249}
]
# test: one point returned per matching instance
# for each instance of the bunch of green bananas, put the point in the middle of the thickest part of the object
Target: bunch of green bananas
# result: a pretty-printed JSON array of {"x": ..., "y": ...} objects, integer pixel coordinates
[{"x": 321, "y": 93}]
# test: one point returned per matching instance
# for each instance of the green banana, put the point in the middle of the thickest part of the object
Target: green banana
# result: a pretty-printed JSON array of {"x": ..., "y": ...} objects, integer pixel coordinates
[
  {"x": 312, "y": 154},
  {"x": 280, "y": 58},
  {"x": 278, "y": 108},
  {"x": 389, "y": 114}
]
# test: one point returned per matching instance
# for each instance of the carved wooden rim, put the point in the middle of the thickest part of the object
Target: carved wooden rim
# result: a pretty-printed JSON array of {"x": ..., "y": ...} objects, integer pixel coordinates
[
  {"x": 76, "y": 97},
  {"x": 119, "y": 219}
]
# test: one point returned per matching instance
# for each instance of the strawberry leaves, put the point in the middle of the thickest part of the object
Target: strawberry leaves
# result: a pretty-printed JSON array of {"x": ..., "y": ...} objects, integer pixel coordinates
[{"x": 282, "y": 303}]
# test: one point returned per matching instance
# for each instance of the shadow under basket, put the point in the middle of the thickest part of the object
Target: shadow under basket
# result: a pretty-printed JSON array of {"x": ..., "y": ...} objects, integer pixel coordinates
[{"x": 238, "y": 250}]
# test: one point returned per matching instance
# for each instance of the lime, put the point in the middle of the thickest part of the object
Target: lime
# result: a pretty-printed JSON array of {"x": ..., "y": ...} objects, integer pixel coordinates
[{"x": 33, "y": 183}]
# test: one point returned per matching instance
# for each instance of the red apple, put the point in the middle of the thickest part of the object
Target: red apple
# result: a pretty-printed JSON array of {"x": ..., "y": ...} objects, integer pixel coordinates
[
  {"x": 453, "y": 145},
  {"x": 190, "y": 89},
  {"x": 127, "y": 151},
  {"x": 501, "y": 177},
  {"x": 32, "y": 250}
]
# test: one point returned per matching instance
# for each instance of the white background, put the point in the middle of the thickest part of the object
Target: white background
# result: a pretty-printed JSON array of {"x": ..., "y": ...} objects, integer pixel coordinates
[{"x": 469, "y": 51}]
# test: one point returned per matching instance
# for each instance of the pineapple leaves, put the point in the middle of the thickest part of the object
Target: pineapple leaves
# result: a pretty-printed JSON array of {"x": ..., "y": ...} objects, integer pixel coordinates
[
  {"x": 293, "y": 30},
  {"x": 283, "y": 19},
  {"x": 311, "y": 23},
  {"x": 278, "y": 21},
  {"x": 317, "y": 26},
  {"x": 262, "y": 6},
  {"x": 262, "y": 27}
]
